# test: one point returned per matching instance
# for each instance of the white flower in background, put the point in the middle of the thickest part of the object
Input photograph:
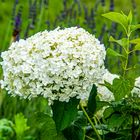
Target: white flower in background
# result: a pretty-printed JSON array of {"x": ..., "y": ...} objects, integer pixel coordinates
[
  {"x": 59, "y": 64},
  {"x": 136, "y": 89},
  {"x": 104, "y": 93}
]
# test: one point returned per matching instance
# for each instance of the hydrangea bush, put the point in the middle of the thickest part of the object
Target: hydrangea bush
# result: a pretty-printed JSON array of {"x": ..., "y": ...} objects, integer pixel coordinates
[
  {"x": 59, "y": 64},
  {"x": 66, "y": 66}
]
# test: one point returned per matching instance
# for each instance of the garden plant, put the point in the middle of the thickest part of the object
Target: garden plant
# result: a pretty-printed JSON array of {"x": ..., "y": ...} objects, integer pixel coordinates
[{"x": 64, "y": 77}]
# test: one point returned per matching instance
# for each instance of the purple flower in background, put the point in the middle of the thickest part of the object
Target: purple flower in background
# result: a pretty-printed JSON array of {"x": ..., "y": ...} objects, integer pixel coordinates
[
  {"x": 111, "y": 5},
  {"x": 17, "y": 25}
]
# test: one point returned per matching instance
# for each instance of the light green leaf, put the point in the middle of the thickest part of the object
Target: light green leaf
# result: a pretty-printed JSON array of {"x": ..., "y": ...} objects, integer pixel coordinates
[
  {"x": 137, "y": 47},
  {"x": 118, "y": 18},
  {"x": 134, "y": 27},
  {"x": 122, "y": 42},
  {"x": 113, "y": 53},
  {"x": 135, "y": 41},
  {"x": 20, "y": 125},
  {"x": 129, "y": 18},
  {"x": 64, "y": 113}
]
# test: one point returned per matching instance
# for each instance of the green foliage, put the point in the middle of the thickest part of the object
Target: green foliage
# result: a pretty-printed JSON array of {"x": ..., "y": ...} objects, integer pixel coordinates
[
  {"x": 120, "y": 119},
  {"x": 6, "y": 129},
  {"x": 121, "y": 88},
  {"x": 111, "y": 52},
  {"x": 46, "y": 125},
  {"x": 76, "y": 131},
  {"x": 64, "y": 113},
  {"x": 122, "y": 42},
  {"x": 118, "y": 18},
  {"x": 91, "y": 106},
  {"x": 20, "y": 126}
]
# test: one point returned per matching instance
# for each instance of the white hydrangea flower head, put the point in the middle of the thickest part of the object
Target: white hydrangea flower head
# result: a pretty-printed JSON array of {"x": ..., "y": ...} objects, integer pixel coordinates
[
  {"x": 104, "y": 93},
  {"x": 58, "y": 64},
  {"x": 136, "y": 90}
]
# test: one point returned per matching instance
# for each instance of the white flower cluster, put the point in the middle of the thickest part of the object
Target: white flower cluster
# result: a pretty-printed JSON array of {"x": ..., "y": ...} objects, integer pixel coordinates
[
  {"x": 104, "y": 93},
  {"x": 59, "y": 64},
  {"x": 136, "y": 89}
]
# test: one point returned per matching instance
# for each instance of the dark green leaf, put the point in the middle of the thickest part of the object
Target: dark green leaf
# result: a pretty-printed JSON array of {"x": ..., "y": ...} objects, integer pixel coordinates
[
  {"x": 64, "y": 113},
  {"x": 92, "y": 100},
  {"x": 48, "y": 127},
  {"x": 115, "y": 121},
  {"x": 76, "y": 131}
]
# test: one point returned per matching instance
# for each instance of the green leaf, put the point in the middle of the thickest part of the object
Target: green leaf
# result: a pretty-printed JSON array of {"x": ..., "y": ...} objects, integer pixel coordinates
[
  {"x": 108, "y": 85},
  {"x": 121, "y": 88},
  {"x": 118, "y": 18},
  {"x": 134, "y": 27},
  {"x": 137, "y": 47},
  {"x": 101, "y": 104},
  {"x": 129, "y": 18},
  {"x": 135, "y": 41},
  {"x": 108, "y": 112},
  {"x": 122, "y": 42},
  {"x": 76, "y": 130},
  {"x": 47, "y": 127},
  {"x": 111, "y": 52},
  {"x": 92, "y": 100},
  {"x": 116, "y": 121},
  {"x": 6, "y": 128},
  {"x": 20, "y": 120},
  {"x": 64, "y": 113}
]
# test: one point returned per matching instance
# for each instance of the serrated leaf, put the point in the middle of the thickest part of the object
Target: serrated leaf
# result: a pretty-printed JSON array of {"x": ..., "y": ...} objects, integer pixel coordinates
[
  {"x": 64, "y": 113},
  {"x": 122, "y": 42},
  {"x": 111, "y": 52},
  {"x": 118, "y": 18},
  {"x": 92, "y": 100},
  {"x": 20, "y": 120},
  {"x": 121, "y": 88}
]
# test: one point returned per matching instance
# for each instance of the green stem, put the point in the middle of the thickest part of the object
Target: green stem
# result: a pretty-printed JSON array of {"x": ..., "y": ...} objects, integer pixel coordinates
[
  {"x": 89, "y": 138},
  {"x": 95, "y": 130},
  {"x": 127, "y": 55}
]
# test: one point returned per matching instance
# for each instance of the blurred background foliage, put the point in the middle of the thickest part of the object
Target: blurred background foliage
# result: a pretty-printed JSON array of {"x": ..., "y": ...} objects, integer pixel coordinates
[{"x": 23, "y": 18}]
